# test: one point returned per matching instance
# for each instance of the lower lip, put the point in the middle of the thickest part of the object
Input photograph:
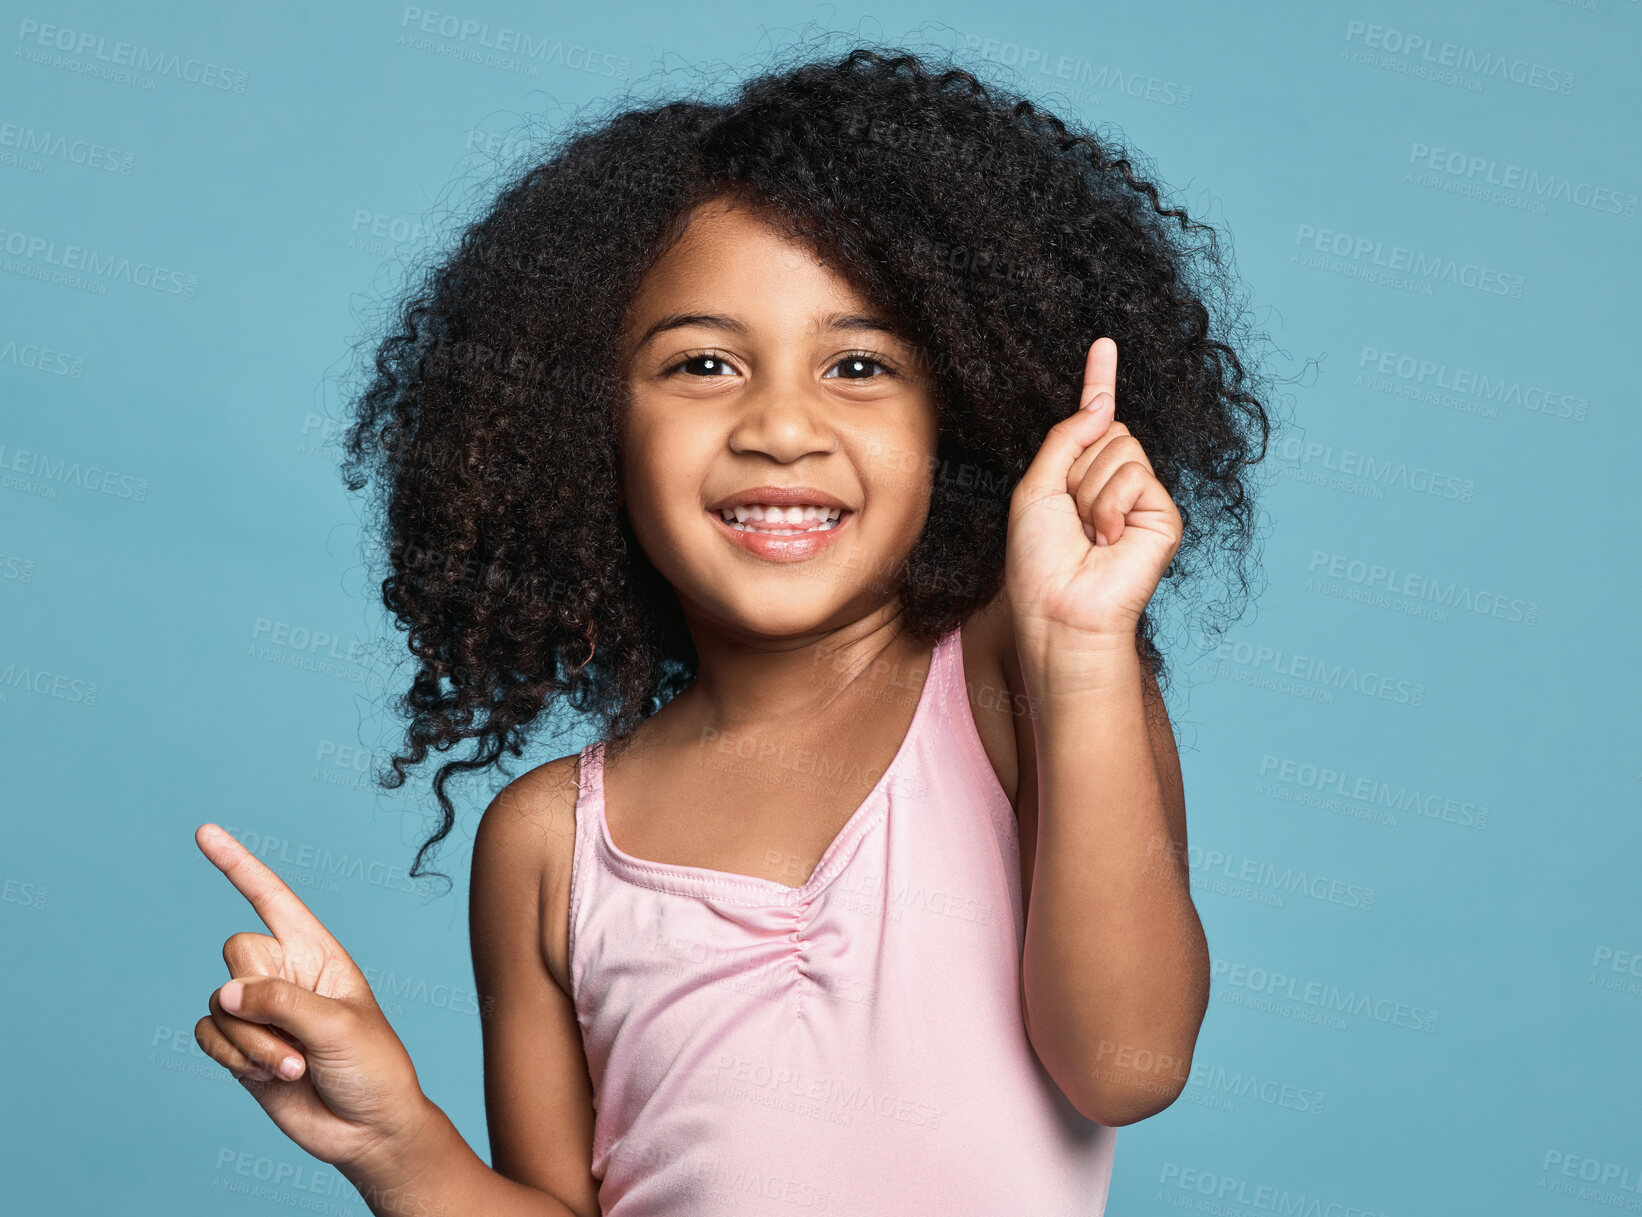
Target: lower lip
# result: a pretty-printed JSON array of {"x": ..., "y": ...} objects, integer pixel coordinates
[{"x": 793, "y": 547}]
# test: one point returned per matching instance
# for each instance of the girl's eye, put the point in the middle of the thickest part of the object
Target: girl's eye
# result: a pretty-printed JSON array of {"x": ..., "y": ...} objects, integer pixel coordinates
[
  {"x": 857, "y": 362},
  {"x": 713, "y": 365}
]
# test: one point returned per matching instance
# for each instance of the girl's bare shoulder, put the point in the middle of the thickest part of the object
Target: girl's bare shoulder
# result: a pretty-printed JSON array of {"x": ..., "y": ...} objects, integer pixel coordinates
[{"x": 522, "y": 854}]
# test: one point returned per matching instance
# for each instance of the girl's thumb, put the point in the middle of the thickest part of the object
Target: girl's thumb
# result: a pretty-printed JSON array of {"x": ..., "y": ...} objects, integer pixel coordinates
[{"x": 316, "y": 1021}]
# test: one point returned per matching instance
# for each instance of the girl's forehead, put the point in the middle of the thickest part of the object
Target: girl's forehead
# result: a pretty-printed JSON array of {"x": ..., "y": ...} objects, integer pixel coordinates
[{"x": 751, "y": 268}]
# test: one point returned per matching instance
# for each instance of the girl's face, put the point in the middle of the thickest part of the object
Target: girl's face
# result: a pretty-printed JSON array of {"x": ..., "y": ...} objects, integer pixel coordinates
[{"x": 751, "y": 365}]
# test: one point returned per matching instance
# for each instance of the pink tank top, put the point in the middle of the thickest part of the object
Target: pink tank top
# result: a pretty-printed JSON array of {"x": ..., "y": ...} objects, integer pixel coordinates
[{"x": 854, "y": 1046}]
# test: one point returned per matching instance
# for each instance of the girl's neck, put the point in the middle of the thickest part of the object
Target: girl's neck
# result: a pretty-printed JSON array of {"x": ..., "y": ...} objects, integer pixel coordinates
[{"x": 748, "y": 683}]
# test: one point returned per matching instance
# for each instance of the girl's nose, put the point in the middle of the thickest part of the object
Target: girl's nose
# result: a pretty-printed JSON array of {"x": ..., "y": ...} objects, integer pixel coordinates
[{"x": 783, "y": 422}]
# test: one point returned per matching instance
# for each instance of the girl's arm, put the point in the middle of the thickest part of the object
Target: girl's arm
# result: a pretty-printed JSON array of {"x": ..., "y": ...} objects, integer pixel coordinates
[
  {"x": 438, "y": 1175},
  {"x": 1115, "y": 966}
]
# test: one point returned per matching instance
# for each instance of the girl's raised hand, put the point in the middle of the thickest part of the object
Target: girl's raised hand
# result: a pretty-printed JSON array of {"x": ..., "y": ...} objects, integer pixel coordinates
[
  {"x": 351, "y": 1097},
  {"x": 1091, "y": 529}
]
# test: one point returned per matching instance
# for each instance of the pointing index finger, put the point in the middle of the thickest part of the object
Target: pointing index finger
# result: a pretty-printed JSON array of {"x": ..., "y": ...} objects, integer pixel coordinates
[
  {"x": 1100, "y": 379},
  {"x": 1068, "y": 439},
  {"x": 286, "y": 917}
]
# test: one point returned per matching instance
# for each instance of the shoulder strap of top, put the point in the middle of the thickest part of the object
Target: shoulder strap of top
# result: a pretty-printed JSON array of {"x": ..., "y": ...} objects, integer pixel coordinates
[{"x": 589, "y": 792}]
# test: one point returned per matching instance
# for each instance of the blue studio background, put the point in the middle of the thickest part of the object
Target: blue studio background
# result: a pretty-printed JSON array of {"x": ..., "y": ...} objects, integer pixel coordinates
[{"x": 1411, "y": 774}]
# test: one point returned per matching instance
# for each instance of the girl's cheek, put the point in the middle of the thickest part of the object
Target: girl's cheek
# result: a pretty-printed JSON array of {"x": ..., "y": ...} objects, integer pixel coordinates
[{"x": 900, "y": 471}]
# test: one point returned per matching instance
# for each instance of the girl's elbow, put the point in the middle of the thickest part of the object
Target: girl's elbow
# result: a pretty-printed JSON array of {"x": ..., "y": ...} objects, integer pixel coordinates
[{"x": 1116, "y": 1102}]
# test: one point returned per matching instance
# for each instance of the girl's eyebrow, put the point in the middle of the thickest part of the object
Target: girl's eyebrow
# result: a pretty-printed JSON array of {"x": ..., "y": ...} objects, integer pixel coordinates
[{"x": 718, "y": 321}]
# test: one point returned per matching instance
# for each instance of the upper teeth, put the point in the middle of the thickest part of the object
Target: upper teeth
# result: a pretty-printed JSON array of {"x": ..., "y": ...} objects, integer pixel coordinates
[{"x": 771, "y": 514}]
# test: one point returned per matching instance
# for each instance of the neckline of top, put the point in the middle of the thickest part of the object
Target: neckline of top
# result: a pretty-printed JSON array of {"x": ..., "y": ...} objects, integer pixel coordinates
[{"x": 731, "y": 886}]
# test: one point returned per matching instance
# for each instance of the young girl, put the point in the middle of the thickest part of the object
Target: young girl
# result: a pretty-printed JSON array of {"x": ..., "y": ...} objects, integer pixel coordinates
[{"x": 755, "y": 430}]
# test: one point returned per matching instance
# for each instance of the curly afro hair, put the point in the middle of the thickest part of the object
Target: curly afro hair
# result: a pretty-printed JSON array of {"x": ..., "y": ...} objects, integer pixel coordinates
[{"x": 1000, "y": 240}]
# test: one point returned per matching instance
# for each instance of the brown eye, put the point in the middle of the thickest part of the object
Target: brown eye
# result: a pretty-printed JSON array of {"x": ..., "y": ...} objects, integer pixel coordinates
[
  {"x": 857, "y": 364},
  {"x": 710, "y": 365}
]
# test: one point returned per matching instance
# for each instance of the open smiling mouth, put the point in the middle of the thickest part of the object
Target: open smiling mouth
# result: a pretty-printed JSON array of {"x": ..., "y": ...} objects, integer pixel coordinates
[
  {"x": 783, "y": 521},
  {"x": 782, "y": 534}
]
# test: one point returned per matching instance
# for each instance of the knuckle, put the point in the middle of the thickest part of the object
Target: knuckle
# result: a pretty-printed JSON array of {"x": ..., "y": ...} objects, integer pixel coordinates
[
  {"x": 273, "y": 998},
  {"x": 236, "y": 949}
]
